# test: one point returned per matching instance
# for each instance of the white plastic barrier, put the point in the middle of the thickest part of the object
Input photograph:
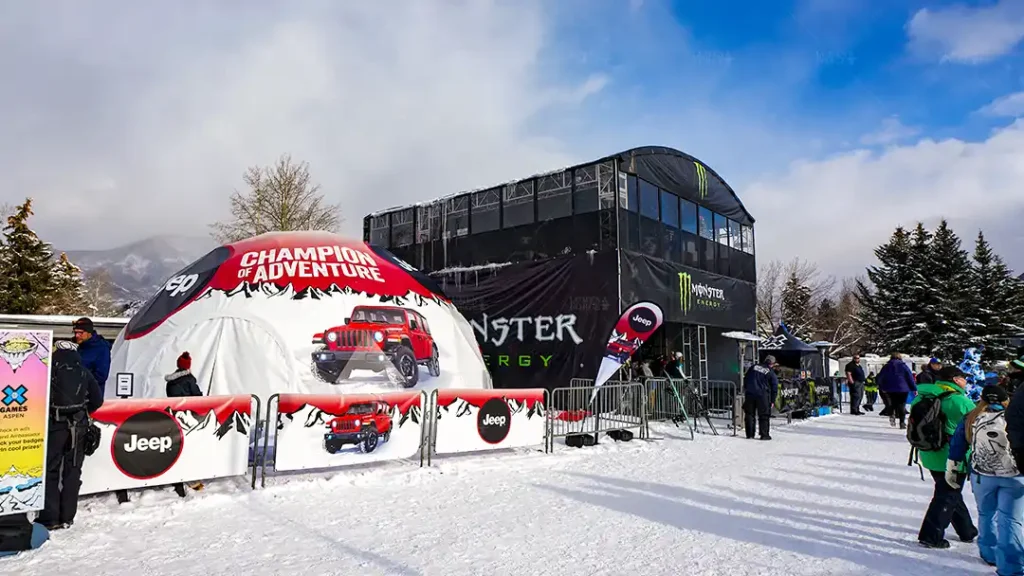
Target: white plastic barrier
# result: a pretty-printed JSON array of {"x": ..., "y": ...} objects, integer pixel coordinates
[
  {"x": 156, "y": 442},
  {"x": 329, "y": 431},
  {"x": 475, "y": 420}
]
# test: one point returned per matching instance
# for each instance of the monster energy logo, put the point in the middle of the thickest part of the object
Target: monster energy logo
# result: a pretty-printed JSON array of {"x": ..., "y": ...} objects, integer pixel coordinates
[
  {"x": 685, "y": 292},
  {"x": 706, "y": 296},
  {"x": 702, "y": 178}
]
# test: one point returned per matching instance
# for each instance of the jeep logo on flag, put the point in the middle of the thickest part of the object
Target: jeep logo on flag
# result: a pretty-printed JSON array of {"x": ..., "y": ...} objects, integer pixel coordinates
[
  {"x": 147, "y": 444},
  {"x": 494, "y": 420}
]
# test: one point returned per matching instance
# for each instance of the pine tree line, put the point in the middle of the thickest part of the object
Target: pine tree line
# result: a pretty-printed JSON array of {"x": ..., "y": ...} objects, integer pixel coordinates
[
  {"x": 928, "y": 297},
  {"x": 32, "y": 281}
]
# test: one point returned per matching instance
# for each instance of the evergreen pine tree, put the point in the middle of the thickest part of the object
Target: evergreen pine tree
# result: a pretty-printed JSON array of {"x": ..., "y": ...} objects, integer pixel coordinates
[
  {"x": 921, "y": 296},
  {"x": 998, "y": 304},
  {"x": 796, "y": 307},
  {"x": 885, "y": 316},
  {"x": 827, "y": 320},
  {"x": 68, "y": 290},
  {"x": 26, "y": 265},
  {"x": 956, "y": 295}
]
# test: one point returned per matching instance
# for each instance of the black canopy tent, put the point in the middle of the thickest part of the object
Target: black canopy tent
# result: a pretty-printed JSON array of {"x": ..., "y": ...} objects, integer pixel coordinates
[{"x": 791, "y": 352}]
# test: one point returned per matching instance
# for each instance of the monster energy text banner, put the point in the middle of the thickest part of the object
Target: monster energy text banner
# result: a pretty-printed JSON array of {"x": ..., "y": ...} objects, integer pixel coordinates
[
  {"x": 687, "y": 295},
  {"x": 539, "y": 324},
  {"x": 791, "y": 398}
]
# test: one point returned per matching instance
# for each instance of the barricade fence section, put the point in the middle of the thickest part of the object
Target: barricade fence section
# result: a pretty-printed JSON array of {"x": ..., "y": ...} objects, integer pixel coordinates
[
  {"x": 333, "y": 431},
  {"x": 478, "y": 420},
  {"x": 586, "y": 410},
  {"x": 164, "y": 441}
]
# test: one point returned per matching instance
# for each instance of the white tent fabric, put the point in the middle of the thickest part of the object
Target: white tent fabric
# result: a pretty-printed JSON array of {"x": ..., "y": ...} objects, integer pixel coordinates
[{"x": 257, "y": 338}]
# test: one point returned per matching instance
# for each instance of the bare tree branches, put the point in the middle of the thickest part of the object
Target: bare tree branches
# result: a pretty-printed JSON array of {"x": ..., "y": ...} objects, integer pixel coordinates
[
  {"x": 279, "y": 198},
  {"x": 771, "y": 284}
]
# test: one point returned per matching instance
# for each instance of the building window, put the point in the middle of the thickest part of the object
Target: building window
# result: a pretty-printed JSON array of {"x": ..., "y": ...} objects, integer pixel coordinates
[
  {"x": 691, "y": 255},
  {"x": 688, "y": 216},
  {"x": 631, "y": 194},
  {"x": 428, "y": 223},
  {"x": 706, "y": 223},
  {"x": 721, "y": 230},
  {"x": 456, "y": 217},
  {"x": 517, "y": 204},
  {"x": 554, "y": 196},
  {"x": 748, "y": 239},
  {"x": 485, "y": 214},
  {"x": 648, "y": 200},
  {"x": 380, "y": 230},
  {"x": 709, "y": 256},
  {"x": 669, "y": 209},
  {"x": 584, "y": 194},
  {"x": 402, "y": 233},
  {"x": 735, "y": 239}
]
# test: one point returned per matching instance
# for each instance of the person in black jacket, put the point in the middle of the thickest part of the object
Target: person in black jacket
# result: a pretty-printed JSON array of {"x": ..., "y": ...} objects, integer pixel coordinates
[
  {"x": 74, "y": 395},
  {"x": 929, "y": 372},
  {"x": 760, "y": 388},
  {"x": 856, "y": 381},
  {"x": 182, "y": 383}
]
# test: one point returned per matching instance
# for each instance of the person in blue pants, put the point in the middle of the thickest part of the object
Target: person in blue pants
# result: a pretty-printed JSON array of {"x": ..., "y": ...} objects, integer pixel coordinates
[{"x": 981, "y": 442}]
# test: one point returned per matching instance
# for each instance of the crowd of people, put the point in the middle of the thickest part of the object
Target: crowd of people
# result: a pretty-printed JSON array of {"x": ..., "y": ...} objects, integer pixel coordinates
[{"x": 959, "y": 441}]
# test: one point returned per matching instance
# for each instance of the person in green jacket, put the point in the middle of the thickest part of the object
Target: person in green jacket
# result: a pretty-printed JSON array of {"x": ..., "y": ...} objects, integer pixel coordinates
[
  {"x": 871, "y": 392},
  {"x": 947, "y": 505}
]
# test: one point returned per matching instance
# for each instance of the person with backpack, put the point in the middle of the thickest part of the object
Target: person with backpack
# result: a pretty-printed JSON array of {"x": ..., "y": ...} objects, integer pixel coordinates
[
  {"x": 74, "y": 395},
  {"x": 896, "y": 381},
  {"x": 998, "y": 486},
  {"x": 935, "y": 414}
]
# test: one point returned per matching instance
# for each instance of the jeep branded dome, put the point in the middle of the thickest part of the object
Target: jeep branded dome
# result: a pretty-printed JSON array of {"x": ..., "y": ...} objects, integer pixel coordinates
[{"x": 300, "y": 312}]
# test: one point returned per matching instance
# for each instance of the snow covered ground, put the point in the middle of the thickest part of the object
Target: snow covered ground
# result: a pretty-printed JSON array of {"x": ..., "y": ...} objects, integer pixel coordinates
[{"x": 827, "y": 497}]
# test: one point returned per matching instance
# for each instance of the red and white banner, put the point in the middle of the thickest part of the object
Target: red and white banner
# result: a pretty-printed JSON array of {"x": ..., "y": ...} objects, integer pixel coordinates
[
  {"x": 328, "y": 431},
  {"x": 475, "y": 420},
  {"x": 156, "y": 442},
  {"x": 631, "y": 330}
]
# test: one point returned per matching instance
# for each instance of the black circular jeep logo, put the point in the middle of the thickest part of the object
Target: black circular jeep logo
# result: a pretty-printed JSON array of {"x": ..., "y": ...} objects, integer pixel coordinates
[
  {"x": 642, "y": 320},
  {"x": 494, "y": 420},
  {"x": 147, "y": 444}
]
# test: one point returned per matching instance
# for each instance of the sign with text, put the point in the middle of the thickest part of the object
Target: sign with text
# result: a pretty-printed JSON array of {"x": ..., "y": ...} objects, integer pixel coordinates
[
  {"x": 476, "y": 420},
  {"x": 24, "y": 418},
  {"x": 156, "y": 442}
]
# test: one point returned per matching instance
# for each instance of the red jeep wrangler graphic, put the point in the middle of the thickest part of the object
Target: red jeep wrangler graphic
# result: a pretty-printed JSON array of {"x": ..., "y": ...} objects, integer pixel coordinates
[
  {"x": 620, "y": 350},
  {"x": 364, "y": 425},
  {"x": 373, "y": 338}
]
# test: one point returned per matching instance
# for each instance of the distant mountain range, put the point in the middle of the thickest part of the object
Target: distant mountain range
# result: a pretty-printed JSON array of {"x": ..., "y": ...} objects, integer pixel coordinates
[{"x": 138, "y": 269}]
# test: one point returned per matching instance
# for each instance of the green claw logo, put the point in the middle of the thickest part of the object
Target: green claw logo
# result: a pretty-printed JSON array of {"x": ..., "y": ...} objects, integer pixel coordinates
[
  {"x": 685, "y": 292},
  {"x": 702, "y": 178}
]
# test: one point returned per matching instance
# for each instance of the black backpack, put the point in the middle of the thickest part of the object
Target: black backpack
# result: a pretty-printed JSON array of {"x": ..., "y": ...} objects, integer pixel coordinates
[
  {"x": 926, "y": 426},
  {"x": 69, "y": 390}
]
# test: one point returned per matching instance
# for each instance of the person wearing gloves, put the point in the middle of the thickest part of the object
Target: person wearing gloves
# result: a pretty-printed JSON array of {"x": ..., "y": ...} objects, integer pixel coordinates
[
  {"x": 760, "y": 389},
  {"x": 980, "y": 445},
  {"x": 947, "y": 505},
  {"x": 896, "y": 381}
]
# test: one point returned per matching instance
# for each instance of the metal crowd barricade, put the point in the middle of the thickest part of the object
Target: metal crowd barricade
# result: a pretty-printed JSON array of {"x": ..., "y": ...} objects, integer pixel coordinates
[
  {"x": 578, "y": 410},
  {"x": 667, "y": 401}
]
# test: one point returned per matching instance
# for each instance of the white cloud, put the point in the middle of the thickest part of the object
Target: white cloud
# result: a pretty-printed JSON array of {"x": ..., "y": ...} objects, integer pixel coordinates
[
  {"x": 967, "y": 35},
  {"x": 834, "y": 211},
  {"x": 891, "y": 131},
  {"x": 1011, "y": 105},
  {"x": 131, "y": 120}
]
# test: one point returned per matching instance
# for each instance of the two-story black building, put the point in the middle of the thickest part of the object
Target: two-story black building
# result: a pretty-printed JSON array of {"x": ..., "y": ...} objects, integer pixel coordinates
[{"x": 543, "y": 266}]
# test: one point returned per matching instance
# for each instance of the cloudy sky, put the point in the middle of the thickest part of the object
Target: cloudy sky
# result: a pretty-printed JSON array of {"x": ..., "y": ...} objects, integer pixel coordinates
[{"x": 834, "y": 120}]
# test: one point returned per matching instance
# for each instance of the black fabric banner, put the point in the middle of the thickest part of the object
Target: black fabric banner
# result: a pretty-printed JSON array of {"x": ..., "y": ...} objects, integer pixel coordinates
[
  {"x": 539, "y": 324},
  {"x": 687, "y": 295},
  {"x": 789, "y": 399}
]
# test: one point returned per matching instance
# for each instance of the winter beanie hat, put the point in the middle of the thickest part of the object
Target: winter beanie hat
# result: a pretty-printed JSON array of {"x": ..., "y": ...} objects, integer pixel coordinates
[
  {"x": 184, "y": 361},
  {"x": 994, "y": 394},
  {"x": 85, "y": 325}
]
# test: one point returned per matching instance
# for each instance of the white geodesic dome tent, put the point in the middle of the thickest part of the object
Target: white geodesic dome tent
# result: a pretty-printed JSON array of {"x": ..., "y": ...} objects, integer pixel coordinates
[{"x": 300, "y": 312}]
